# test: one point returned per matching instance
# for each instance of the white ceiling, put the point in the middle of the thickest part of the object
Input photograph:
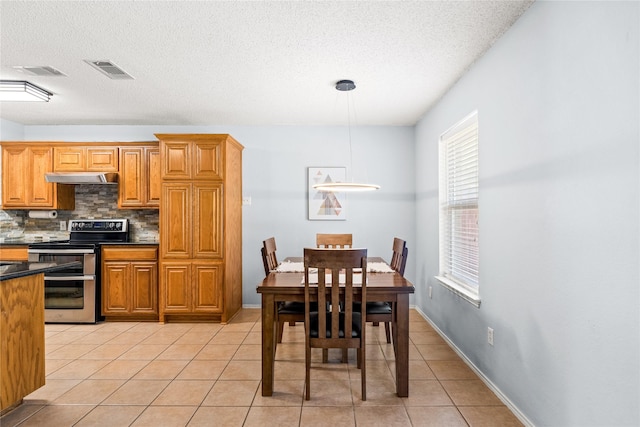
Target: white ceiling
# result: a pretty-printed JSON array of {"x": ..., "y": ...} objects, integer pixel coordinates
[{"x": 244, "y": 63}]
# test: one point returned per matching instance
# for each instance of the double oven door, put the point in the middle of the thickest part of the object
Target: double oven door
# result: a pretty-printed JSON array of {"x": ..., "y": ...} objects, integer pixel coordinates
[{"x": 70, "y": 295}]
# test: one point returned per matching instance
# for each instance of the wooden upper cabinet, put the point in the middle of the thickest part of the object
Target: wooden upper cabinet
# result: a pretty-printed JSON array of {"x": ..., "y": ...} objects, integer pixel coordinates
[
  {"x": 154, "y": 183},
  {"x": 15, "y": 176},
  {"x": 102, "y": 159},
  {"x": 85, "y": 159},
  {"x": 176, "y": 164},
  {"x": 192, "y": 157},
  {"x": 139, "y": 183},
  {"x": 23, "y": 182},
  {"x": 207, "y": 160}
]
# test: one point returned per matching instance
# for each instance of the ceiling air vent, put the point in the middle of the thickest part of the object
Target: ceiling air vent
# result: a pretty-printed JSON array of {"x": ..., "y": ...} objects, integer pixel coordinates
[
  {"x": 38, "y": 70},
  {"x": 109, "y": 69}
]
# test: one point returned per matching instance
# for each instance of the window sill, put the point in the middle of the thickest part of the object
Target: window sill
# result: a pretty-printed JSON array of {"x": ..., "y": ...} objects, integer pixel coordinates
[{"x": 465, "y": 294}]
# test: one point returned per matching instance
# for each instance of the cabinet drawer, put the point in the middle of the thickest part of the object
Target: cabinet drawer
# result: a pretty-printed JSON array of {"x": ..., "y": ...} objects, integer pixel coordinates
[
  {"x": 129, "y": 253},
  {"x": 13, "y": 253}
]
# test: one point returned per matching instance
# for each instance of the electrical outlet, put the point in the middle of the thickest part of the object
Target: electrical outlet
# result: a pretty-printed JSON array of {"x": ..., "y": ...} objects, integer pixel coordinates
[
  {"x": 490, "y": 336},
  {"x": 246, "y": 201},
  {"x": 63, "y": 225},
  {"x": 430, "y": 291}
]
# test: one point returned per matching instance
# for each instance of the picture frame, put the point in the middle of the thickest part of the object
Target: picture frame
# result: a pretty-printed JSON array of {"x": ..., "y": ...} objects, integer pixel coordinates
[{"x": 326, "y": 205}]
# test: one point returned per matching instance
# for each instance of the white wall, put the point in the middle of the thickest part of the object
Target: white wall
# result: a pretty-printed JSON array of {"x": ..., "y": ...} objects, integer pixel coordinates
[
  {"x": 275, "y": 161},
  {"x": 558, "y": 108}
]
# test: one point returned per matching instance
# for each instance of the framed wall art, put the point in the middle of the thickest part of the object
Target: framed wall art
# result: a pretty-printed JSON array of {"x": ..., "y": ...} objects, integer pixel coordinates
[{"x": 326, "y": 205}]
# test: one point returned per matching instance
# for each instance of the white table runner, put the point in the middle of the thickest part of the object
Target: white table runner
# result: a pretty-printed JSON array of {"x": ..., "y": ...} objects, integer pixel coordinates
[{"x": 298, "y": 267}]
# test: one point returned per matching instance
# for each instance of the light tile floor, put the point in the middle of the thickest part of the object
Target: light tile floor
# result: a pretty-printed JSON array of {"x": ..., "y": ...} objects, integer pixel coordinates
[{"x": 204, "y": 374}]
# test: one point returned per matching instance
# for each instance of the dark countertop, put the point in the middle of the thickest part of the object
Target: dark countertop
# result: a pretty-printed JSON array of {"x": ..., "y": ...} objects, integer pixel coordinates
[
  {"x": 16, "y": 269},
  {"x": 26, "y": 242},
  {"x": 134, "y": 243}
]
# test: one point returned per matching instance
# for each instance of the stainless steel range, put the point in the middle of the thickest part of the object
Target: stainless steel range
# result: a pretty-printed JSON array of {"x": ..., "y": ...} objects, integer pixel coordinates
[{"x": 73, "y": 295}]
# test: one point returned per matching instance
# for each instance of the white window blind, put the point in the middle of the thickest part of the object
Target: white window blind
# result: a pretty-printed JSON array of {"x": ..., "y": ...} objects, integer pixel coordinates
[{"x": 458, "y": 166}]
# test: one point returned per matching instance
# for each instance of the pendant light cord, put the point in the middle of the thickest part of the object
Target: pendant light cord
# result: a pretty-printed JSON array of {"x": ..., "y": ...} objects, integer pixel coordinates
[{"x": 349, "y": 128}]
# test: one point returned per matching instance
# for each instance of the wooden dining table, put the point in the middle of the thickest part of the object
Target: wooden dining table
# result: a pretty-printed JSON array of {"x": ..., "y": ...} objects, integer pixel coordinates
[{"x": 390, "y": 287}]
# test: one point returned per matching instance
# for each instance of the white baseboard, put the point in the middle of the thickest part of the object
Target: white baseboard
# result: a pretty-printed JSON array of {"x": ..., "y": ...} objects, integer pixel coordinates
[
  {"x": 513, "y": 408},
  {"x": 251, "y": 306}
]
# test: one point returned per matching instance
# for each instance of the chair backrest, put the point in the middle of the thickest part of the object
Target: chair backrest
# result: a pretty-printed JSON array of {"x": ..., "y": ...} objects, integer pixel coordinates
[
  {"x": 269, "y": 258},
  {"x": 335, "y": 241},
  {"x": 399, "y": 255},
  {"x": 337, "y": 296}
]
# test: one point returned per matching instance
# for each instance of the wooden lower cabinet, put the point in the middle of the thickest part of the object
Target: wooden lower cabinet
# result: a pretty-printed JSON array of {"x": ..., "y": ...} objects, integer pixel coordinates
[
  {"x": 130, "y": 282},
  {"x": 22, "y": 349},
  {"x": 192, "y": 287}
]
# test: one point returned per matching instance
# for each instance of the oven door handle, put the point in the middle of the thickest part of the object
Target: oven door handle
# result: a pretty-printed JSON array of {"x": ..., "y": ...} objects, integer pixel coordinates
[
  {"x": 60, "y": 251},
  {"x": 68, "y": 278}
]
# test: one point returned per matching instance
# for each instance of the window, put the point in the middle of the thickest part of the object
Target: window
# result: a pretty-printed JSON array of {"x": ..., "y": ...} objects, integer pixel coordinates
[{"x": 458, "y": 167}]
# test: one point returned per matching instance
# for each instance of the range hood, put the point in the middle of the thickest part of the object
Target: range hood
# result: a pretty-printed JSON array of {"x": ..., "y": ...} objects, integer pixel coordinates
[{"x": 82, "y": 177}]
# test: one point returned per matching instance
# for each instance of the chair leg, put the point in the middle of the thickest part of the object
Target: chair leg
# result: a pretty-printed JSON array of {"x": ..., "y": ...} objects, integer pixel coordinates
[
  {"x": 280, "y": 331},
  {"x": 292, "y": 323},
  {"x": 362, "y": 364},
  {"x": 376, "y": 323},
  {"x": 325, "y": 355},
  {"x": 345, "y": 355},
  {"x": 387, "y": 330},
  {"x": 307, "y": 373}
]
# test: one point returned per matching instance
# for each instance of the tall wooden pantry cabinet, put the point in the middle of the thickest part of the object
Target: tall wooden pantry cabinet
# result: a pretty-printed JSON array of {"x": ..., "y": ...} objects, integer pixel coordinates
[{"x": 200, "y": 227}]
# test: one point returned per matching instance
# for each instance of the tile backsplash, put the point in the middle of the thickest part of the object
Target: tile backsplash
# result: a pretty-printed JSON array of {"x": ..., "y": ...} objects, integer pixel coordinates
[{"x": 93, "y": 201}]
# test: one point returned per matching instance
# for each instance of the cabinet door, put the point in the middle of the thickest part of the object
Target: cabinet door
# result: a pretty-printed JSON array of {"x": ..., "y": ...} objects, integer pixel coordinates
[
  {"x": 102, "y": 159},
  {"x": 175, "y": 221},
  {"x": 176, "y": 287},
  {"x": 115, "y": 288},
  {"x": 144, "y": 287},
  {"x": 15, "y": 173},
  {"x": 131, "y": 185},
  {"x": 41, "y": 192},
  {"x": 207, "y": 290},
  {"x": 176, "y": 163},
  {"x": 154, "y": 183},
  {"x": 207, "y": 160},
  {"x": 69, "y": 159},
  {"x": 207, "y": 221}
]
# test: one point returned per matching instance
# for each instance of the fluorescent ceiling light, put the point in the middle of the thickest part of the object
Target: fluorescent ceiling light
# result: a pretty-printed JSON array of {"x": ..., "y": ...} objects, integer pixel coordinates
[{"x": 20, "y": 90}]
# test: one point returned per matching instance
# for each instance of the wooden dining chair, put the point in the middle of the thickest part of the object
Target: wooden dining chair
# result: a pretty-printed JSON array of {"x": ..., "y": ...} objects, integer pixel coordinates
[
  {"x": 287, "y": 311},
  {"x": 269, "y": 258},
  {"x": 383, "y": 311},
  {"x": 399, "y": 255},
  {"x": 336, "y": 241},
  {"x": 334, "y": 327}
]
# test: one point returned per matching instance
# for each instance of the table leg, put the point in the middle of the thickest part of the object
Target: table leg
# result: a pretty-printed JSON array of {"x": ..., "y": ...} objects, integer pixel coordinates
[
  {"x": 402, "y": 345},
  {"x": 268, "y": 343}
]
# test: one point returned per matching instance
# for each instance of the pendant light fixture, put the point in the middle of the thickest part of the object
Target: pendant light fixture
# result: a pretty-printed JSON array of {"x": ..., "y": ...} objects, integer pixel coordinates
[{"x": 346, "y": 86}]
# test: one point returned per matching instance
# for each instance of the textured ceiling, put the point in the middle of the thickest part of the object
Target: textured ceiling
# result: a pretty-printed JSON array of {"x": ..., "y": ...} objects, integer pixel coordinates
[{"x": 244, "y": 63}]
